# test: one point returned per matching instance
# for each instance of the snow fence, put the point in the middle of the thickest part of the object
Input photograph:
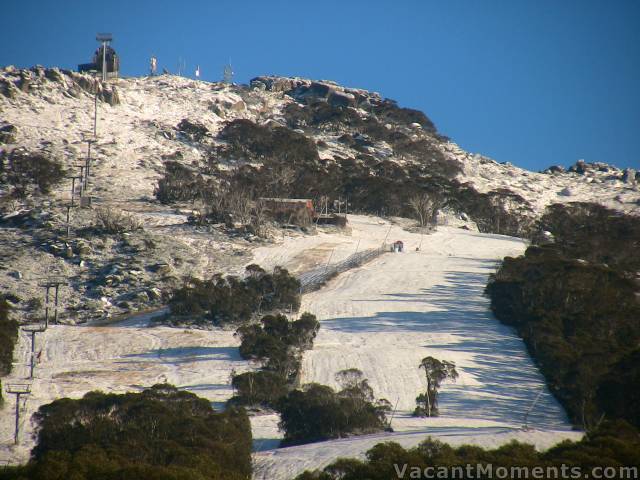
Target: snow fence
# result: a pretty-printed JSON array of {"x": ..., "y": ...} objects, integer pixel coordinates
[{"x": 314, "y": 279}]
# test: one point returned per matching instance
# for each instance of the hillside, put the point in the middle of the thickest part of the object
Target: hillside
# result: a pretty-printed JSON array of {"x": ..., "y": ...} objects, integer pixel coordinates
[
  {"x": 177, "y": 167},
  {"x": 339, "y": 142}
]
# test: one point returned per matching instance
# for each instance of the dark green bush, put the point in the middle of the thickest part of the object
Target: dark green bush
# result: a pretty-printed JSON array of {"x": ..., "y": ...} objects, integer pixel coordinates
[
  {"x": 277, "y": 343},
  {"x": 594, "y": 233},
  {"x": 179, "y": 183},
  {"x": 256, "y": 142},
  {"x": 261, "y": 388},
  {"x": 233, "y": 300},
  {"x": 160, "y": 433},
  {"x": 8, "y": 337},
  {"x": 25, "y": 172},
  {"x": 318, "y": 412}
]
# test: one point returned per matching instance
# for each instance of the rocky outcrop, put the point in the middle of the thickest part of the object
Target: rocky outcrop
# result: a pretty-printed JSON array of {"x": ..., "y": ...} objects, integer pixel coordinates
[
  {"x": 14, "y": 82},
  {"x": 554, "y": 169},
  {"x": 629, "y": 175}
]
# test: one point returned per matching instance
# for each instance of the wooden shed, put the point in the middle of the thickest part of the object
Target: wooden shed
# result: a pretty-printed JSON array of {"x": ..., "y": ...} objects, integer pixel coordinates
[{"x": 290, "y": 210}]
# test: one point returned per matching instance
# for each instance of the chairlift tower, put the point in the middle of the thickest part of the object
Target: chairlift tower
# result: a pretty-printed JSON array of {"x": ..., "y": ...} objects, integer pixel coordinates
[
  {"x": 18, "y": 389},
  {"x": 52, "y": 282}
]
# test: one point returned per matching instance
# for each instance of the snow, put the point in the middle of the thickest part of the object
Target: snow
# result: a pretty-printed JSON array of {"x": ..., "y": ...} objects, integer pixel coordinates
[
  {"x": 385, "y": 317},
  {"x": 541, "y": 190},
  {"x": 381, "y": 318},
  {"x": 117, "y": 358}
]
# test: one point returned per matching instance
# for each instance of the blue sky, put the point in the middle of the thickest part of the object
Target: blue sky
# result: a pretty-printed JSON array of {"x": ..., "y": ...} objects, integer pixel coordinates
[{"x": 535, "y": 82}]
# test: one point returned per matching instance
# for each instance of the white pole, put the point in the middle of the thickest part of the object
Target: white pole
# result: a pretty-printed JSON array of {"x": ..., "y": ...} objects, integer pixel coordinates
[{"x": 104, "y": 61}]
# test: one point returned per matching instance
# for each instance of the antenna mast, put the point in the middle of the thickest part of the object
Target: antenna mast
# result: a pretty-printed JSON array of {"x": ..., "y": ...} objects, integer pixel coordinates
[{"x": 227, "y": 74}]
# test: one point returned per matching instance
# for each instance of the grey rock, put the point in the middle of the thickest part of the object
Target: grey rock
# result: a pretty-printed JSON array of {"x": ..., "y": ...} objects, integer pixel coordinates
[
  {"x": 629, "y": 175},
  {"x": 154, "y": 293},
  {"x": 341, "y": 99},
  {"x": 554, "y": 169}
]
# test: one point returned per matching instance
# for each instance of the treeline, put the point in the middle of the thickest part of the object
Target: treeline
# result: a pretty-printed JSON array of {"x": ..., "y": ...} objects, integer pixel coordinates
[
  {"x": 613, "y": 445},
  {"x": 275, "y": 161},
  {"x": 574, "y": 301},
  {"x": 233, "y": 300},
  {"x": 160, "y": 433}
]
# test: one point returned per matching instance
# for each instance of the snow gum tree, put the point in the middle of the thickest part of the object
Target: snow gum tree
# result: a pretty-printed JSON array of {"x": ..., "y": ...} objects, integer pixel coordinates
[{"x": 436, "y": 371}]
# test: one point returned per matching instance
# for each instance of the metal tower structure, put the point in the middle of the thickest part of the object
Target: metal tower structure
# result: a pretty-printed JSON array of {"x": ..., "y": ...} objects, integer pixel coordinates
[
  {"x": 18, "y": 389},
  {"x": 227, "y": 74},
  {"x": 105, "y": 38}
]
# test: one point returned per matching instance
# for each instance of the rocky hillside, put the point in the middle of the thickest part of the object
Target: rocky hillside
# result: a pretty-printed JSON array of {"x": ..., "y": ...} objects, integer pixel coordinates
[{"x": 166, "y": 145}]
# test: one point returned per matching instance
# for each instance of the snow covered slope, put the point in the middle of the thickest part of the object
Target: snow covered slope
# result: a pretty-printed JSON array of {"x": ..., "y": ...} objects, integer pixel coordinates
[
  {"x": 385, "y": 317},
  {"x": 52, "y": 110},
  {"x": 126, "y": 356},
  {"x": 382, "y": 318}
]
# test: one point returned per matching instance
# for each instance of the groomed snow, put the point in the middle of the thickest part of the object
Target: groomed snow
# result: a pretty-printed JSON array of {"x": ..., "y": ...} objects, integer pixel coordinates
[
  {"x": 127, "y": 356},
  {"x": 385, "y": 317}
]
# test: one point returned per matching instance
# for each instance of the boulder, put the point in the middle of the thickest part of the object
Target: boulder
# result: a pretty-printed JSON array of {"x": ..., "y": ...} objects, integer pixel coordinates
[
  {"x": 110, "y": 95},
  {"x": 554, "y": 169},
  {"x": 566, "y": 192},
  {"x": 154, "y": 293},
  {"x": 341, "y": 99},
  {"x": 274, "y": 84},
  {"x": 8, "y": 89},
  {"x": 580, "y": 167},
  {"x": 629, "y": 175},
  {"x": 54, "y": 75}
]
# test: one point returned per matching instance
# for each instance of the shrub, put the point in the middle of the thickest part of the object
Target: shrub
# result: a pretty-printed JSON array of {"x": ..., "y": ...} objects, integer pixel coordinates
[
  {"x": 594, "y": 233},
  {"x": 112, "y": 221},
  {"x": 262, "y": 388},
  {"x": 388, "y": 111},
  {"x": 159, "y": 433},
  {"x": 256, "y": 142},
  {"x": 278, "y": 342},
  {"x": 612, "y": 445},
  {"x": 233, "y": 300},
  {"x": 8, "y": 337},
  {"x": 317, "y": 412},
  {"x": 26, "y": 172},
  {"x": 193, "y": 130},
  {"x": 179, "y": 183}
]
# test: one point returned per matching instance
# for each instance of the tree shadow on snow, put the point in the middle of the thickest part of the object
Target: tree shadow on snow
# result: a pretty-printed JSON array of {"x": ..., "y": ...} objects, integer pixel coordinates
[{"x": 457, "y": 316}]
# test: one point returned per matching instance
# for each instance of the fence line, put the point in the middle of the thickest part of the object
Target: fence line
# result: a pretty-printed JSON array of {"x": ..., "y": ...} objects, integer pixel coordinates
[{"x": 314, "y": 279}]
